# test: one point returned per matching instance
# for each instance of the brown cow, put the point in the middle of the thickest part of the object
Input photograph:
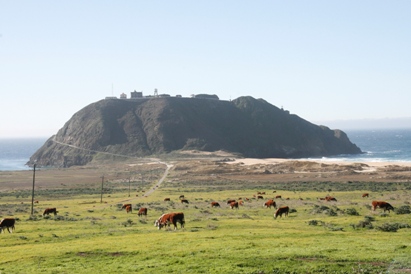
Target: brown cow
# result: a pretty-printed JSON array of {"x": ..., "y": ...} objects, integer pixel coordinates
[
  {"x": 142, "y": 211},
  {"x": 184, "y": 201},
  {"x": 166, "y": 199},
  {"x": 129, "y": 208},
  {"x": 260, "y": 197},
  {"x": 270, "y": 203},
  {"x": 181, "y": 196},
  {"x": 278, "y": 197},
  {"x": 234, "y": 205},
  {"x": 125, "y": 206},
  {"x": 329, "y": 198},
  {"x": 282, "y": 210},
  {"x": 383, "y": 205},
  {"x": 215, "y": 204},
  {"x": 7, "y": 223},
  {"x": 47, "y": 211},
  {"x": 365, "y": 195},
  {"x": 170, "y": 218},
  {"x": 230, "y": 201}
]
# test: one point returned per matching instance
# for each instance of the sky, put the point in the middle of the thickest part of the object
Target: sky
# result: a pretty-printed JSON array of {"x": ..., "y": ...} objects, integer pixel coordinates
[{"x": 325, "y": 61}]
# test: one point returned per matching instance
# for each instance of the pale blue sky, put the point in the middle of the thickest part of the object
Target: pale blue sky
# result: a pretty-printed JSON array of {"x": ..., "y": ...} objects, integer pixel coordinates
[{"x": 322, "y": 60}]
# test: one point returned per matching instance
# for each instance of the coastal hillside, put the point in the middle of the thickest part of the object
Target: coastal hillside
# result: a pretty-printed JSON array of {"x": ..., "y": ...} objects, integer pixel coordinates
[{"x": 151, "y": 126}]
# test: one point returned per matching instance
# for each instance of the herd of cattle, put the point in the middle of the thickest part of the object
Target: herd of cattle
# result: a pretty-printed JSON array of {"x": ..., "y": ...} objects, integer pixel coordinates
[{"x": 167, "y": 219}]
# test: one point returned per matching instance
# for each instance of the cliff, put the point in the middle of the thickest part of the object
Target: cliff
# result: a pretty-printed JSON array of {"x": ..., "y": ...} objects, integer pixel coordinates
[{"x": 251, "y": 127}]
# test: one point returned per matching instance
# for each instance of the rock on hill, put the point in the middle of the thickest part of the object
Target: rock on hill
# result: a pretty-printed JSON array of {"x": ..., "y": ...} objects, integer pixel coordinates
[{"x": 251, "y": 127}]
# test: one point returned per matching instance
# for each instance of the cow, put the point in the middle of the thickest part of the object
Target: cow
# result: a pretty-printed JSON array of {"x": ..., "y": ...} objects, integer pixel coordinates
[
  {"x": 47, "y": 211},
  {"x": 129, "y": 208},
  {"x": 184, "y": 201},
  {"x": 365, "y": 195},
  {"x": 383, "y": 205},
  {"x": 230, "y": 201},
  {"x": 170, "y": 218},
  {"x": 142, "y": 211},
  {"x": 241, "y": 202},
  {"x": 234, "y": 205},
  {"x": 166, "y": 199},
  {"x": 215, "y": 204},
  {"x": 36, "y": 202},
  {"x": 260, "y": 197},
  {"x": 181, "y": 196},
  {"x": 278, "y": 197},
  {"x": 125, "y": 206},
  {"x": 329, "y": 198},
  {"x": 282, "y": 210},
  {"x": 270, "y": 203},
  {"x": 7, "y": 223}
]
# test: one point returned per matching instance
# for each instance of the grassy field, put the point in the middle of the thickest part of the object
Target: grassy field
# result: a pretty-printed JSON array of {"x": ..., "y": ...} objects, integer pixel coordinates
[{"x": 87, "y": 236}]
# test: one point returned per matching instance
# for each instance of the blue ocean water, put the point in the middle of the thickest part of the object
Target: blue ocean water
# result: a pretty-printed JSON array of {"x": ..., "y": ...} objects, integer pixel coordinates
[
  {"x": 389, "y": 145},
  {"x": 15, "y": 153},
  {"x": 377, "y": 145}
]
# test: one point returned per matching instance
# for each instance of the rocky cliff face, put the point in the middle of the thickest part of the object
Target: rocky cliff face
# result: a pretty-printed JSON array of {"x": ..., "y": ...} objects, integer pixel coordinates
[{"x": 251, "y": 127}]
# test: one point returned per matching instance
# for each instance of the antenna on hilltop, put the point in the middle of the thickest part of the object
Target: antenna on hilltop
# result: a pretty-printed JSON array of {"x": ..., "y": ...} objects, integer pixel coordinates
[{"x": 155, "y": 93}]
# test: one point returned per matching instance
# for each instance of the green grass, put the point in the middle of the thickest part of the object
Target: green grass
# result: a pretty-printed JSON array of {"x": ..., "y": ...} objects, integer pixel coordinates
[{"x": 89, "y": 237}]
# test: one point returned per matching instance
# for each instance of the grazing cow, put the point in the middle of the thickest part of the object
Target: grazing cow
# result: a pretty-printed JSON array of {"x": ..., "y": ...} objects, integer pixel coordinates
[
  {"x": 166, "y": 199},
  {"x": 260, "y": 197},
  {"x": 170, "y": 218},
  {"x": 263, "y": 193},
  {"x": 142, "y": 211},
  {"x": 241, "y": 202},
  {"x": 282, "y": 210},
  {"x": 247, "y": 199},
  {"x": 230, "y": 201},
  {"x": 129, "y": 209},
  {"x": 125, "y": 206},
  {"x": 365, "y": 195},
  {"x": 47, "y": 211},
  {"x": 383, "y": 205},
  {"x": 234, "y": 205},
  {"x": 184, "y": 201},
  {"x": 278, "y": 197},
  {"x": 36, "y": 202},
  {"x": 7, "y": 223},
  {"x": 329, "y": 198},
  {"x": 181, "y": 196},
  {"x": 215, "y": 204},
  {"x": 270, "y": 203}
]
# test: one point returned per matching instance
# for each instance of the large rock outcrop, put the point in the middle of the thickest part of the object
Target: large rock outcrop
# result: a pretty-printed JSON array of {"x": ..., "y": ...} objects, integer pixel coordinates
[{"x": 251, "y": 127}]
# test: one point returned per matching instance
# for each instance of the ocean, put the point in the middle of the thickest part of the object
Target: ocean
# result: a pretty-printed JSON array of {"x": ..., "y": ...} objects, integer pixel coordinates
[
  {"x": 15, "y": 153},
  {"x": 378, "y": 146}
]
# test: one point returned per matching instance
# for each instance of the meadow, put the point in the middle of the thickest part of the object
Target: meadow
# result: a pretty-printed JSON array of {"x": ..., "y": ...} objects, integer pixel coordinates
[{"x": 92, "y": 234}]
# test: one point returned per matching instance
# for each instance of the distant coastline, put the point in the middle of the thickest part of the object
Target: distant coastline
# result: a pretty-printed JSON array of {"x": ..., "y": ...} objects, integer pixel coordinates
[{"x": 367, "y": 124}]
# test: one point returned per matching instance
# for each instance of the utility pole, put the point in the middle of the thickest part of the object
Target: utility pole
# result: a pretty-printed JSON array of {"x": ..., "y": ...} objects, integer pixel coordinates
[
  {"x": 102, "y": 183},
  {"x": 32, "y": 192}
]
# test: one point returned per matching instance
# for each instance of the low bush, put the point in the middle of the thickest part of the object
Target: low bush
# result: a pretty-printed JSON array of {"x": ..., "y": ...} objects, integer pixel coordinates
[
  {"x": 392, "y": 227},
  {"x": 405, "y": 209},
  {"x": 351, "y": 211}
]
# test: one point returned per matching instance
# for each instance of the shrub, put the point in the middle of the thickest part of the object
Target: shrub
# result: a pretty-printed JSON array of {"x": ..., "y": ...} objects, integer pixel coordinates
[
  {"x": 388, "y": 227},
  {"x": 405, "y": 209},
  {"x": 313, "y": 222},
  {"x": 351, "y": 211},
  {"x": 369, "y": 218}
]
